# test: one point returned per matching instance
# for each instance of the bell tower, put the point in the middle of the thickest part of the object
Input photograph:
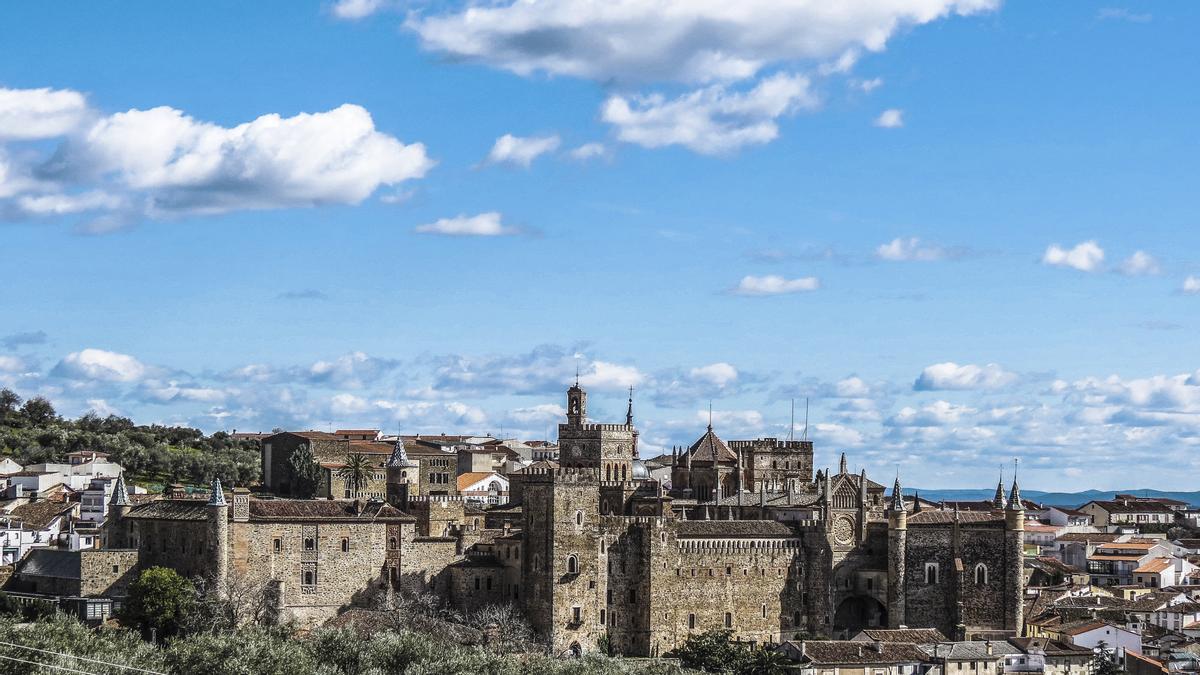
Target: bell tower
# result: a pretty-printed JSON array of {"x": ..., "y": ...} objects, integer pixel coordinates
[{"x": 576, "y": 405}]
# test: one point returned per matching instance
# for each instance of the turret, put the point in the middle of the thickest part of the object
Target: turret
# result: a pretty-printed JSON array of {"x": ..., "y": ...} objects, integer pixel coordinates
[
  {"x": 1014, "y": 573},
  {"x": 576, "y": 404},
  {"x": 897, "y": 555},
  {"x": 115, "y": 529},
  {"x": 998, "y": 502},
  {"x": 218, "y": 535},
  {"x": 400, "y": 473},
  {"x": 842, "y": 468}
]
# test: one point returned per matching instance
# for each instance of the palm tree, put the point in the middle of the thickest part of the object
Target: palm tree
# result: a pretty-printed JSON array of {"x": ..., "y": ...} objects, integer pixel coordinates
[{"x": 356, "y": 470}]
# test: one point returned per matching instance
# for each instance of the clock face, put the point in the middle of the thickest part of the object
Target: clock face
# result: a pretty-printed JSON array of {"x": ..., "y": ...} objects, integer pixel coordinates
[
  {"x": 576, "y": 451},
  {"x": 843, "y": 530}
]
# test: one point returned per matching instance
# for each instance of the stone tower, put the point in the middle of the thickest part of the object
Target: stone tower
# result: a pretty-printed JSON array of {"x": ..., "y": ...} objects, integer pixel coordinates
[
  {"x": 896, "y": 557},
  {"x": 401, "y": 471},
  {"x": 118, "y": 506},
  {"x": 576, "y": 405},
  {"x": 1014, "y": 577},
  {"x": 218, "y": 535},
  {"x": 606, "y": 447}
]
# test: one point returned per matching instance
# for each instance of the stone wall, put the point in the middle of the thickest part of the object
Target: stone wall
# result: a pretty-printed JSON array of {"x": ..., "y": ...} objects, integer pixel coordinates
[{"x": 107, "y": 573}]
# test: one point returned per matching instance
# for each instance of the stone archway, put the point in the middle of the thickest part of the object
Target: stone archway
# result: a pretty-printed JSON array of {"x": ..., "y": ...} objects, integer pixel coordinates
[{"x": 856, "y": 613}]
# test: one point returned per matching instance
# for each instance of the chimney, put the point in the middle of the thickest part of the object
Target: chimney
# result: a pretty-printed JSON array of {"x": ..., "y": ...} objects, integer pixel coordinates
[
  {"x": 860, "y": 650},
  {"x": 989, "y": 647},
  {"x": 878, "y": 647}
]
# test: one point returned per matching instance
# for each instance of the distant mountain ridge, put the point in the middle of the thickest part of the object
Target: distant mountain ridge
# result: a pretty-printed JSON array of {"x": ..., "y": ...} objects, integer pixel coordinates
[{"x": 1052, "y": 498}]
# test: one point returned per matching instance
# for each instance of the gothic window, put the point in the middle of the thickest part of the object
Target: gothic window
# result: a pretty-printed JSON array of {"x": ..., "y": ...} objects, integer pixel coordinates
[
  {"x": 931, "y": 573},
  {"x": 981, "y": 574},
  {"x": 345, "y": 544},
  {"x": 278, "y": 545},
  {"x": 579, "y": 517},
  {"x": 572, "y": 564},
  {"x": 309, "y": 544},
  {"x": 392, "y": 543}
]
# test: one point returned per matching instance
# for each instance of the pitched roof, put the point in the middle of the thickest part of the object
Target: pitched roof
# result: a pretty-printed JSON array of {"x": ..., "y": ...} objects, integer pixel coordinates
[
  {"x": 1097, "y": 537},
  {"x": 324, "y": 509},
  {"x": 960, "y": 651},
  {"x": 940, "y": 517},
  {"x": 1155, "y": 566},
  {"x": 710, "y": 448},
  {"x": 39, "y": 513},
  {"x": 847, "y": 652},
  {"x": 1084, "y": 627},
  {"x": 1129, "y": 506},
  {"x": 470, "y": 478},
  {"x": 1050, "y": 647},
  {"x": 171, "y": 509},
  {"x": 734, "y": 528},
  {"x": 52, "y": 562},
  {"x": 913, "y": 635},
  {"x": 311, "y": 435}
]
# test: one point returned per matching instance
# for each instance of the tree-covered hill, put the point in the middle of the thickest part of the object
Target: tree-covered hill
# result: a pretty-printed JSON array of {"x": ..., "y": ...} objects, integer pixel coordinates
[{"x": 32, "y": 432}]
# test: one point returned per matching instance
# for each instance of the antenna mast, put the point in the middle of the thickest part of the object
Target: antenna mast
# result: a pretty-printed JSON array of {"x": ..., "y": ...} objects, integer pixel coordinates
[{"x": 805, "y": 437}]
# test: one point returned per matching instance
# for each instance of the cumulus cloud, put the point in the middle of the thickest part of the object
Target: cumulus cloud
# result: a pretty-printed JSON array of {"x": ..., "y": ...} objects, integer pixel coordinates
[
  {"x": 773, "y": 284},
  {"x": 912, "y": 249},
  {"x": 830, "y": 434},
  {"x": 11, "y": 364},
  {"x": 648, "y": 40},
  {"x": 1191, "y": 285},
  {"x": 1139, "y": 264},
  {"x": 354, "y": 370},
  {"x": 713, "y": 120},
  {"x": 605, "y": 375},
  {"x": 1085, "y": 257},
  {"x": 101, "y": 366},
  {"x": 938, "y": 413},
  {"x": 28, "y": 114},
  {"x": 892, "y": 118},
  {"x": 521, "y": 150},
  {"x": 590, "y": 151},
  {"x": 952, "y": 376},
  {"x": 482, "y": 225},
  {"x": 718, "y": 374},
  {"x": 160, "y": 162},
  {"x": 357, "y": 9}
]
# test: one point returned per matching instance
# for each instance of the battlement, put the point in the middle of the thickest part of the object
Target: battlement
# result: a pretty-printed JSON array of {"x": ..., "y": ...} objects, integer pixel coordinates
[
  {"x": 424, "y": 499},
  {"x": 624, "y": 521},
  {"x": 562, "y": 474},
  {"x": 770, "y": 443},
  {"x": 724, "y": 544},
  {"x": 594, "y": 426}
]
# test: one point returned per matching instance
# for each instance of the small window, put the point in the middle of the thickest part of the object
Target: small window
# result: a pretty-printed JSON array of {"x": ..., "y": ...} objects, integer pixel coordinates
[
  {"x": 691, "y": 621},
  {"x": 632, "y": 596},
  {"x": 277, "y": 544},
  {"x": 728, "y": 620},
  {"x": 476, "y": 583},
  {"x": 572, "y": 564},
  {"x": 603, "y": 614},
  {"x": 310, "y": 544},
  {"x": 392, "y": 543},
  {"x": 795, "y": 619},
  {"x": 981, "y": 574},
  {"x": 310, "y": 578},
  {"x": 345, "y": 544},
  {"x": 579, "y": 517},
  {"x": 489, "y": 583},
  {"x": 576, "y": 614},
  {"x": 116, "y": 568},
  {"x": 931, "y": 573}
]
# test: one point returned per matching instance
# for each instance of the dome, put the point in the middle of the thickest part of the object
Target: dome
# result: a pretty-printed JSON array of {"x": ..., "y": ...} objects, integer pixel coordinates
[{"x": 640, "y": 471}]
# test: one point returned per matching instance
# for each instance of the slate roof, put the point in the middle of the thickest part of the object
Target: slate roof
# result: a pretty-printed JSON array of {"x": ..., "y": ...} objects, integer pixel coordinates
[
  {"x": 836, "y": 652},
  {"x": 1133, "y": 507},
  {"x": 913, "y": 635},
  {"x": 775, "y": 499},
  {"x": 960, "y": 651},
  {"x": 40, "y": 513},
  {"x": 709, "y": 448},
  {"x": 941, "y": 517},
  {"x": 1050, "y": 647},
  {"x": 734, "y": 528},
  {"x": 51, "y": 562},
  {"x": 323, "y": 509},
  {"x": 171, "y": 509}
]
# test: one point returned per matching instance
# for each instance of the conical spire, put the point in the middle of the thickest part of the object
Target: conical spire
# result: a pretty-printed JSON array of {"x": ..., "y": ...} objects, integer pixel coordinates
[
  {"x": 842, "y": 465},
  {"x": 120, "y": 496},
  {"x": 897, "y": 496},
  {"x": 629, "y": 412},
  {"x": 917, "y": 502},
  {"x": 217, "y": 498},
  {"x": 399, "y": 457},
  {"x": 998, "y": 502},
  {"x": 1014, "y": 498}
]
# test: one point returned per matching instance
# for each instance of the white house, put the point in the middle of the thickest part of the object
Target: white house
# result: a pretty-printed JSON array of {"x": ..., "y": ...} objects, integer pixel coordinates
[
  {"x": 487, "y": 487},
  {"x": 1129, "y": 513},
  {"x": 1163, "y": 571},
  {"x": 36, "y": 524},
  {"x": 1064, "y": 517},
  {"x": 1097, "y": 635}
]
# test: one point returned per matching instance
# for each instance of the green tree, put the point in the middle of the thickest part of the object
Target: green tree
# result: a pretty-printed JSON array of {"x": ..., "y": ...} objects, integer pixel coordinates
[
  {"x": 249, "y": 651},
  {"x": 158, "y": 603},
  {"x": 306, "y": 473},
  {"x": 38, "y": 411},
  {"x": 9, "y": 403},
  {"x": 712, "y": 651},
  {"x": 356, "y": 470},
  {"x": 1105, "y": 663}
]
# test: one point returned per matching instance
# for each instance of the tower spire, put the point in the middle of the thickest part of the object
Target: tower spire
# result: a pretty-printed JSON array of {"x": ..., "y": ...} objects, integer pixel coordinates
[
  {"x": 1014, "y": 497},
  {"x": 120, "y": 496},
  {"x": 842, "y": 464},
  {"x": 897, "y": 496},
  {"x": 998, "y": 502},
  {"x": 629, "y": 412},
  {"x": 217, "y": 498},
  {"x": 710, "y": 415}
]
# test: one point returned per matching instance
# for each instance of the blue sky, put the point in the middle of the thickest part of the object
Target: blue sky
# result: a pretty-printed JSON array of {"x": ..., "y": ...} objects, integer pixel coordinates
[{"x": 965, "y": 230}]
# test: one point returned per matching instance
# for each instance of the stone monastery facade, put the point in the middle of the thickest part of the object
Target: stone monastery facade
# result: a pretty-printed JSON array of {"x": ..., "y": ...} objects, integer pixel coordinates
[{"x": 744, "y": 537}]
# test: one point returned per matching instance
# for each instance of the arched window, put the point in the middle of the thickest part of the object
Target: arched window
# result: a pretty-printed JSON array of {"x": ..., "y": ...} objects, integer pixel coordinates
[
  {"x": 931, "y": 573},
  {"x": 607, "y": 472},
  {"x": 579, "y": 517},
  {"x": 981, "y": 574},
  {"x": 622, "y": 472},
  {"x": 309, "y": 544},
  {"x": 392, "y": 543},
  {"x": 572, "y": 564}
]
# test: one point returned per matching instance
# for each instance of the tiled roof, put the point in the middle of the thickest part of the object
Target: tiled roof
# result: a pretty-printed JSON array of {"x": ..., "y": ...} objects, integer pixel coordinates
[
  {"x": 774, "y": 499},
  {"x": 938, "y": 517},
  {"x": 324, "y": 509},
  {"x": 1155, "y": 566},
  {"x": 469, "y": 478},
  {"x": 1083, "y": 627},
  {"x": 734, "y": 528},
  {"x": 836, "y": 652},
  {"x": 960, "y": 651},
  {"x": 1130, "y": 545},
  {"x": 1050, "y": 647},
  {"x": 52, "y": 562},
  {"x": 356, "y": 432},
  {"x": 709, "y": 448},
  {"x": 40, "y": 513},
  {"x": 311, "y": 435},
  {"x": 913, "y": 635},
  {"x": 1095, "y": 537},
  {"x": 171, "y": 509},
  {"x": 371, "y": 447},
  {"x": 1132, "y": 507}
]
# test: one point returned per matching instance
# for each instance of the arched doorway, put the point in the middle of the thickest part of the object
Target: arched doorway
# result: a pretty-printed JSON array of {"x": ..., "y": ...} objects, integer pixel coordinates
[
  {"x": 575, "y": 651},
  {"x": 856, "y": 613}
]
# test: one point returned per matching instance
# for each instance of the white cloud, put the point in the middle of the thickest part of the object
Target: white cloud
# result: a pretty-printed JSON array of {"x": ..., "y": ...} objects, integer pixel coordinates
[
  {"x": 909, "y": 249},
  {"x": 63, "y": 204},
  {"x": 590, "y": 151},
  {"x": 605, "y": 375},
  {"x": 27, "y": 114},
  {"x": 676, "y": 40},
  {"x": 936, "y": 414},
  {"x": 100, "y": 365},
  {"x": 543, "y": 414},
  {"x": 828, "y": 434},
  {"x": 1191, "y": 285},
  {"x": 950, "y": 375},
  {"x": 867, "y": 86},
  {"x": 732, "y": 421},
  {"x": 852, "y": 387},
  {"x": 357, "y": 9},
  {"x": 353, "y": 370},
  {"x": 773, "y": 284},
  {"x": 717, "y": 374},
  {"x": 452, "y": 414},
  {"x": 521, "y": 150},
  {"x": 348, "y": 404},
  {"x": 1139, "y": 264},
  {"x": 11, "y": 364},
  {"x": 713, "y": 120},
  {"x": 102, "y": 407},
  {"x": 482, "y": 225},
  {"x": 1086, "y": 256},
  {"x": 892, "y": 118},
  {"x": 183, "y": 164},
  {"x": 167, "y": 392}
]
